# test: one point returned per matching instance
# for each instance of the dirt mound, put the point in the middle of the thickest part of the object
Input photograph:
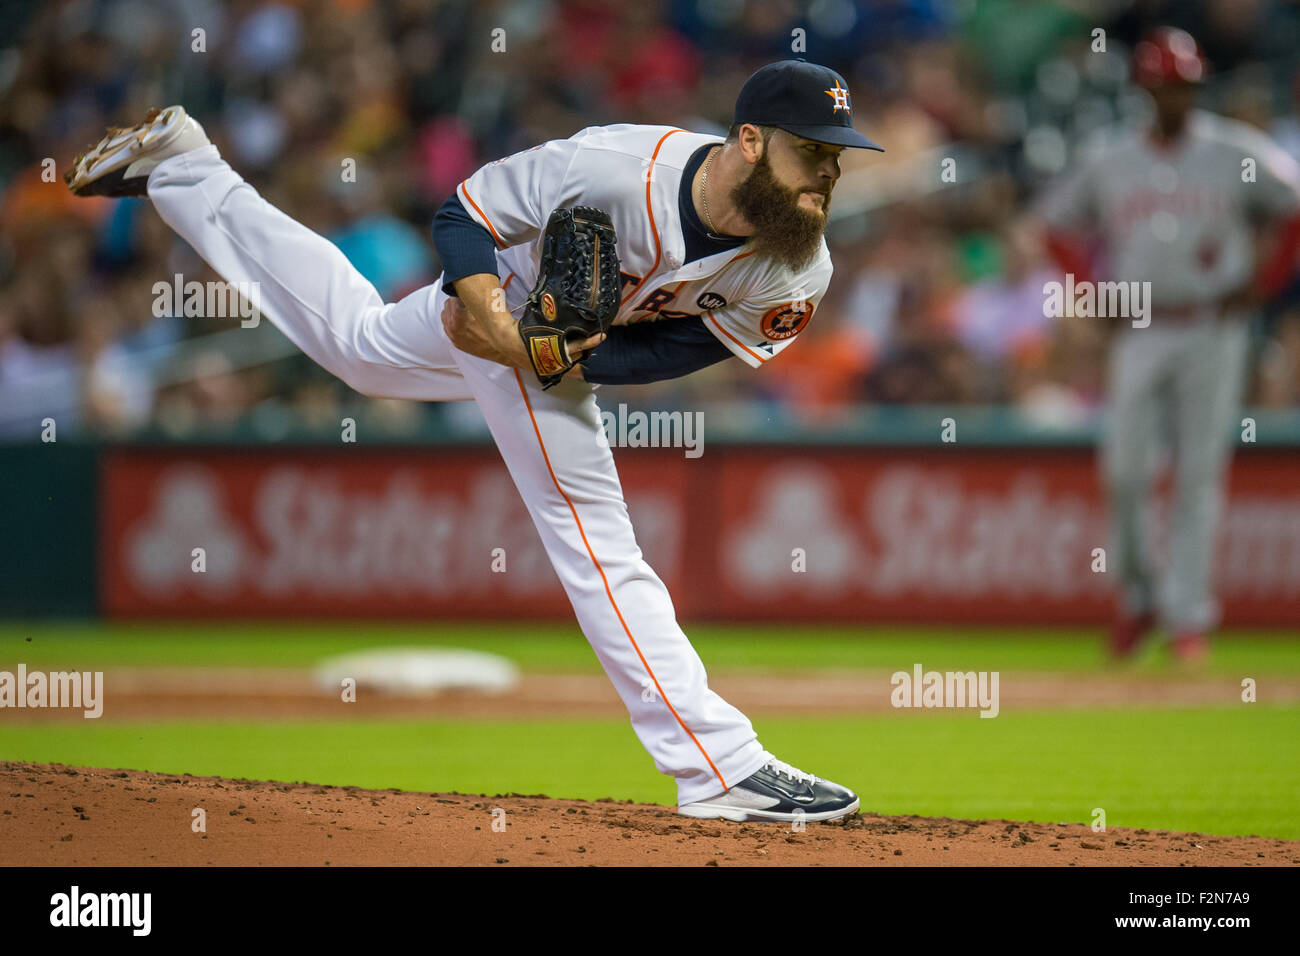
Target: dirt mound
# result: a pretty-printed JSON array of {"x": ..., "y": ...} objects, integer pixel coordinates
[{"x": 73, "y": 816}]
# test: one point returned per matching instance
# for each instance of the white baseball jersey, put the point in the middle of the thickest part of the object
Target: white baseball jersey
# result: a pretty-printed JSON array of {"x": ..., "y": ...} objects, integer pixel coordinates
[
  {"x": 753, "y": 305},
  {"x": 1180, "y": 217}
]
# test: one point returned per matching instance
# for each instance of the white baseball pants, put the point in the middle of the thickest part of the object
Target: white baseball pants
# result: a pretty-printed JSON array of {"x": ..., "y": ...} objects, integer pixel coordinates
[
  {"x": 550, "y": 440},
  {"x": 1178, "y": 385}
]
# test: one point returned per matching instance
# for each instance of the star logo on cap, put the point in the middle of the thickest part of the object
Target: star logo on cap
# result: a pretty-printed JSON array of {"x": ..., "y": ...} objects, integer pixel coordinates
[{"x": 841, "y": 97}]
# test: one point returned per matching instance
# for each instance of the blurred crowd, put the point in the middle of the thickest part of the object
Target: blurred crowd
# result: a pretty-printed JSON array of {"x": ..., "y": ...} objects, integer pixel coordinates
[{"x": 934, "y": 298}]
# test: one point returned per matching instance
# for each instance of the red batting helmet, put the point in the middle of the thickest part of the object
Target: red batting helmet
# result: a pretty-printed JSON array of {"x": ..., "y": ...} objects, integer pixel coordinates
[{"x": 1168, "y": 56}]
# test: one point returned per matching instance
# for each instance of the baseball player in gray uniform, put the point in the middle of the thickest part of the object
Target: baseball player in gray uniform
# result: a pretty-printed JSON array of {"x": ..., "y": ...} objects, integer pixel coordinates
[{"x": 1180, "y": 206}]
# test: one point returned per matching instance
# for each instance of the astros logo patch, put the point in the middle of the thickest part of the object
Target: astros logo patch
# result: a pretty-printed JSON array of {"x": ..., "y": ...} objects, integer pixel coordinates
[
  {"x": 786, "y": 320},
  {"x": 710, "y": 300},
  {"x": 548, "y": 307},
  {"x": 841, "y": 97}
]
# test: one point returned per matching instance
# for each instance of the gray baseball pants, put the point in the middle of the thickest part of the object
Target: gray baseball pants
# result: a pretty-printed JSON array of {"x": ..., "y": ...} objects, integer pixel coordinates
[{"x": 1174, "y": 389}]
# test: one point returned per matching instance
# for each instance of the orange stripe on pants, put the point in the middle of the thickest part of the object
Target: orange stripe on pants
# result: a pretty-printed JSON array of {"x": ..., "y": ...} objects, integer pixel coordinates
[{"x": 609, "y": 593}]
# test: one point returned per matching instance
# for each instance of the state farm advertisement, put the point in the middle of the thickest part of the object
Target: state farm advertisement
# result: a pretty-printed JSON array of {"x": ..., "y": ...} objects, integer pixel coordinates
[
  {"x": 310, "y": 532},
  {"x": 739, "y": 534},
  {"x": 978, "y": 536}
]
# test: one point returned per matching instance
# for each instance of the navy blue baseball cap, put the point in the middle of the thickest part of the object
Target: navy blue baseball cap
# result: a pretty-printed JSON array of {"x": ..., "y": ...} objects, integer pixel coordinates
[{"x": 802, "y": 98}]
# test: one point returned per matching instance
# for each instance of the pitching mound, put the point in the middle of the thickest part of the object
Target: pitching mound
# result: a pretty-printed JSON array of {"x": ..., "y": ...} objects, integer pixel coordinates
[{"x": 73, "y": 816}]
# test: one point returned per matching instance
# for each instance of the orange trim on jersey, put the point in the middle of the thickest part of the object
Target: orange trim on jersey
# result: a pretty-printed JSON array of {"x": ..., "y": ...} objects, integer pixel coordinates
[
  {"x": 736, "y": 259},
  {"x": 482, "y": 215},
  {"x": 714, "y": 276},
  {"x": 609, "y": 593},
  {"x": 505, "y": 285},
  {"x": 654, "y": 230},
  {"x": 673, "y": 295},
  {"x": 677, "y": 290},
  {"x": 731, "y": 262},
  {"x": 733, "y": 338}
]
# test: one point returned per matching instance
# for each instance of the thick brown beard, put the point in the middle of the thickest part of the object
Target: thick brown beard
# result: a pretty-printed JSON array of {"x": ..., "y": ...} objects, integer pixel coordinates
[{"x": 783, "y": 230}]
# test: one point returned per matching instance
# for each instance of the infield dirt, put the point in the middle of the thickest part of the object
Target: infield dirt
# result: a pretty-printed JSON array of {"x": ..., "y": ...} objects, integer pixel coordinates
[
  {"x": 75, "y": 816},
  {"x": 155, "y": 693}
]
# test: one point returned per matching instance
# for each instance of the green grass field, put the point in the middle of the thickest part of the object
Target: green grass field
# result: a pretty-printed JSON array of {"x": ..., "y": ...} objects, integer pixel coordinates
[
  {"x": 549, "y": 648},
  {"x": 1225, "y": 770}
]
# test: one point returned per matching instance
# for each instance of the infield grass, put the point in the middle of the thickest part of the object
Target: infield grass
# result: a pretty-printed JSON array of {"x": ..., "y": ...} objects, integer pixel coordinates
[
  {"x": 1232, "y": 772},
  {"x": 561, "y": 649}
]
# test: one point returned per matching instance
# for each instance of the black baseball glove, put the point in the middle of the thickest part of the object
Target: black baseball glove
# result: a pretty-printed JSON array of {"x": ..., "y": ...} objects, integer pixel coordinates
[{"x": 577, "y": 290}]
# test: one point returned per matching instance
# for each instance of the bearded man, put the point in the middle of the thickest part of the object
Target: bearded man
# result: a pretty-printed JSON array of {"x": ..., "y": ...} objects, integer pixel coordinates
[{"x": 720, "y": 253}]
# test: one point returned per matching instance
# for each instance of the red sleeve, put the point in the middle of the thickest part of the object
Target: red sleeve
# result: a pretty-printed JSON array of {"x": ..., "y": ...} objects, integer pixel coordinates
[
  {"x": 1275, "y": 272},
  {"x": 1070, "y": 254}
]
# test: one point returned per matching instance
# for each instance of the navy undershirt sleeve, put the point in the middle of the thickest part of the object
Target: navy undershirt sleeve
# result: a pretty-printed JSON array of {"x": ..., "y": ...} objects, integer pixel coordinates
[
  {"x": 653, "y": 351},
  {"x": 464, "y": 246}
]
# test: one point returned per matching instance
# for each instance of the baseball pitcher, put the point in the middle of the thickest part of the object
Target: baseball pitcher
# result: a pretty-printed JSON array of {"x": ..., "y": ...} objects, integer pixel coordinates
[{"x": 667, "y": 249}]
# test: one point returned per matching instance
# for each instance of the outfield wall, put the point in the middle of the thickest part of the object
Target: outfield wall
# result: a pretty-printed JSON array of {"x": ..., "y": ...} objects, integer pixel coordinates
[{"x": 848, "y": 534}]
